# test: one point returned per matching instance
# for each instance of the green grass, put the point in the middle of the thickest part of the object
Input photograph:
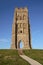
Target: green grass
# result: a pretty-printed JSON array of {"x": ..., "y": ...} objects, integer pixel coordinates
[
  {"x": 35, "y": 54},
  {"x": 11, "y": 57}
]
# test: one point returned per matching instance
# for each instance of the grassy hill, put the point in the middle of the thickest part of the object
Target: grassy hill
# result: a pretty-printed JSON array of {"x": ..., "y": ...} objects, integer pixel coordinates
[
  {"x": 11, "y": 57},
  {"x": 35, "y": 54}
]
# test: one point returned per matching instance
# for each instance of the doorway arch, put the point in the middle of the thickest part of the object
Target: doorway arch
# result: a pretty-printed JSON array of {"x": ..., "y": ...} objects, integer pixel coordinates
[{"x": 21, "y": 44}]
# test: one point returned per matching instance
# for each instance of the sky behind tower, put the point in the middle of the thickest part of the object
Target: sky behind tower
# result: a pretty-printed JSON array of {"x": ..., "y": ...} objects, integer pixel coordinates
[{"x": 35, "y": 8}]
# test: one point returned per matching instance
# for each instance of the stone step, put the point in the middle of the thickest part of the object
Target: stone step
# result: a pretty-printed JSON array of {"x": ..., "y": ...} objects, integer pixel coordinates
[{"x": 20, "y": 51}]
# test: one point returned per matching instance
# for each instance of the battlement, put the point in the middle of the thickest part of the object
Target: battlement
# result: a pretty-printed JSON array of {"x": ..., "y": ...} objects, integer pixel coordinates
[{"x": 21, "y": 9}]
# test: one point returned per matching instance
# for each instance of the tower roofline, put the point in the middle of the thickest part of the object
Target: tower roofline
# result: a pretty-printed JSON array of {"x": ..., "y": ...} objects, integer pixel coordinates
[{"x": 22, "y": 9}]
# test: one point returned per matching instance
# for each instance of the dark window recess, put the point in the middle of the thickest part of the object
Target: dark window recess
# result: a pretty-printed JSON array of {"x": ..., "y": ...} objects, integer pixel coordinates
[{"x": 20, "y": 31}]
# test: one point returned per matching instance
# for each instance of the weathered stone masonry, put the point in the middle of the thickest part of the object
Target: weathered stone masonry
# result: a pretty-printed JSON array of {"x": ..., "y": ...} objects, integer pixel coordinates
[{"x": 21, "y": 29}]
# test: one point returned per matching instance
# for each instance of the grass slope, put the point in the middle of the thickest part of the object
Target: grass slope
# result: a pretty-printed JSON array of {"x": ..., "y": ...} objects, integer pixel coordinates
[
  {"x": 11, "y": 57},
  {"x": 35, "y": 54}
]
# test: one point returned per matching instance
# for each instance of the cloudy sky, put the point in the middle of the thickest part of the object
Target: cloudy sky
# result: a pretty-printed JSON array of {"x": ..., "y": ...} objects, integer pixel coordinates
[{"x": 35, "y": 8}]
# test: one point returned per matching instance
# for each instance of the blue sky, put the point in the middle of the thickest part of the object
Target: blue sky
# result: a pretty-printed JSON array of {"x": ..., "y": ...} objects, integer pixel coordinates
[{"x": 35, "y": 8}]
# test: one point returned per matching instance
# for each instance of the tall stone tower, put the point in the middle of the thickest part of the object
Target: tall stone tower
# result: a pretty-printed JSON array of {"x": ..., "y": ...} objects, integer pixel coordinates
[{"x": 21, "y": 29}]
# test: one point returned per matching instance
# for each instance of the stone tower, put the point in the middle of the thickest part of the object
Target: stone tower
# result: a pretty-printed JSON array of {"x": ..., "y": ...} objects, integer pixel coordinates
[{"x": 21, "y": 29}]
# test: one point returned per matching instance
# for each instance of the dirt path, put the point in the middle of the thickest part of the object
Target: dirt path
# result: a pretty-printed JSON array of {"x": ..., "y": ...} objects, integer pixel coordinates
[
  {"x": 30, "y": 60},
  {"x": 20, "y": 51}
]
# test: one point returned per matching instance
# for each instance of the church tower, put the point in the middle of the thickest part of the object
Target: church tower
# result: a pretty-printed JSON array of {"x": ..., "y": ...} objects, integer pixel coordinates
[{"x": 21, "y": 29}]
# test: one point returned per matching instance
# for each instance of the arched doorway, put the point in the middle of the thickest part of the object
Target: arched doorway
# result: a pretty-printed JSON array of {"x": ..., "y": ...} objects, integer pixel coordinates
[{"x": 21, "y": 45}]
